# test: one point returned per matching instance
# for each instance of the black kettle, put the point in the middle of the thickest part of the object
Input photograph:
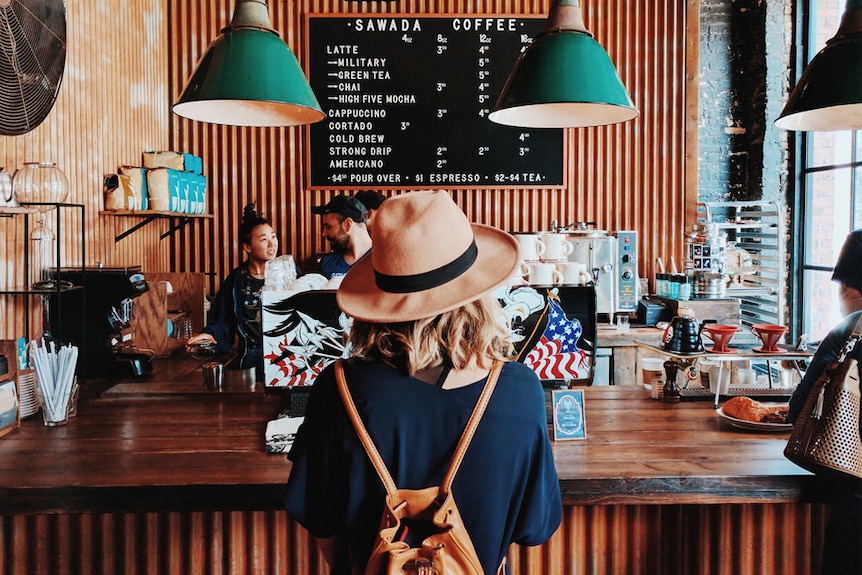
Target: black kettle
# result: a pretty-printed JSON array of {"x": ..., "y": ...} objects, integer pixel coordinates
[{"x": 683, "y": 333}]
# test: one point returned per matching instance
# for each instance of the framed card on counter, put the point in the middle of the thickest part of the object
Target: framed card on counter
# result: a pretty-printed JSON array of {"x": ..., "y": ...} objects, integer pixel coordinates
[
  {"x": 10, "y": 417},
  {"x": 568, "y": 414}
]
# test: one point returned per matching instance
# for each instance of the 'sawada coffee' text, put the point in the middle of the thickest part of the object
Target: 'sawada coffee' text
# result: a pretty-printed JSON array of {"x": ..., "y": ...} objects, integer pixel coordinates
[{"x": 415, "y": 25}]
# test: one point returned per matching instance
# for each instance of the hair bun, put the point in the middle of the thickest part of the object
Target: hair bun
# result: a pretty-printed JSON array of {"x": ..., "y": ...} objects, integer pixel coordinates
[{"x": 249, "y": 213}]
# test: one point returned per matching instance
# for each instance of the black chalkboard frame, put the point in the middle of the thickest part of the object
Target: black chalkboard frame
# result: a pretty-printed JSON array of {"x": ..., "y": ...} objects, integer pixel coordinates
[{"x": 479, "y": 153}]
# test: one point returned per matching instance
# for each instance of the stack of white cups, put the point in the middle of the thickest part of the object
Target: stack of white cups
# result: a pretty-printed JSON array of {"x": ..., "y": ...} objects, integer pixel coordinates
[{"x": 546, "y": 262}]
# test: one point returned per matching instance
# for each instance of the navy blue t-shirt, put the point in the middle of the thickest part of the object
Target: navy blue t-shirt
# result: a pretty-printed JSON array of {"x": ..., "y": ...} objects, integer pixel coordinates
[
  {"x": 333, "y": 265},
  {"x": 507, "y": 489}
]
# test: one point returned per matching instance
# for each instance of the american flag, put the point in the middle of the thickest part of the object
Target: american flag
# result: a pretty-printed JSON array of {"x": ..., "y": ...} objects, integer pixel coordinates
[{"x": 556, "y": 355}]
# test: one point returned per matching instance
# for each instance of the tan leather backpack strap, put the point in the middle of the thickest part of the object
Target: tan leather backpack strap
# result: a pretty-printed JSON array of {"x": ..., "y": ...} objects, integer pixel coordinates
[
  {"x": 364, "y": 437},
  {"x": 472, "y": 424},
  {"x": 371, "y": 449}
]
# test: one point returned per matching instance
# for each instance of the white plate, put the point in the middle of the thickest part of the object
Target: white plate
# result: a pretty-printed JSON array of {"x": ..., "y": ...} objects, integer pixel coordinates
[{"x": 755, "y": 425}]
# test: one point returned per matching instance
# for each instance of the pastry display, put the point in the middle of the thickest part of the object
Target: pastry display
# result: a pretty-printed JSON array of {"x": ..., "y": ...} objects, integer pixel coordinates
[{"x": 748, "y": 409}]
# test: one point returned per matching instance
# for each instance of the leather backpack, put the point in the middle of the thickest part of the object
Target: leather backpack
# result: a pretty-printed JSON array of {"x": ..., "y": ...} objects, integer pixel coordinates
[{"x": 421, "y": 531}]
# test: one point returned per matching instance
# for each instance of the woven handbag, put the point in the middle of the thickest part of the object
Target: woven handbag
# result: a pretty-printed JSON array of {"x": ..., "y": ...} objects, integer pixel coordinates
[
  {"x": 825, "y": 437},
  {"x": 421, "y": 530}
]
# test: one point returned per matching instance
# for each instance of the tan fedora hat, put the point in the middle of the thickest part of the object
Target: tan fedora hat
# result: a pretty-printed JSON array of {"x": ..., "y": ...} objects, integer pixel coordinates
[{"x": 427, "y": 258}]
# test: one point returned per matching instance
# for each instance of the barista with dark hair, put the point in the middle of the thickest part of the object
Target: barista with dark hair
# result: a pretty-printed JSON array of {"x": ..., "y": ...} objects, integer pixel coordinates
[{"x": 235, "y": 312}]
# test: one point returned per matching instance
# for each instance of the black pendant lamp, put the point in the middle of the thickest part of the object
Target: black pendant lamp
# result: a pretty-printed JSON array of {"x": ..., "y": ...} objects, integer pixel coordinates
[{"x": 828, "y": 96}]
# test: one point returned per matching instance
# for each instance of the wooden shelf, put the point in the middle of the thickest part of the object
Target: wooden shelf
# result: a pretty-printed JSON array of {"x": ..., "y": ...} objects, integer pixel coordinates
[
  {"x": 10, "y": 212},
  {"x": 152, "y": 215}
]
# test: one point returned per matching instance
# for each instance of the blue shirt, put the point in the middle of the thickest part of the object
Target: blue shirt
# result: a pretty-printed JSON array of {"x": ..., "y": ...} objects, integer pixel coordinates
[
  {"x": 506, "y": 489},
  {"x": 333, "y": 265}
]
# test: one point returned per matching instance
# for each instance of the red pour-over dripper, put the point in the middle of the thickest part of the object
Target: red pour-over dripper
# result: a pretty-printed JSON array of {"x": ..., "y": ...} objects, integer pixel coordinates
[
  {"x": 720, "y": 334},
  {"x": 769, "y": 334}
]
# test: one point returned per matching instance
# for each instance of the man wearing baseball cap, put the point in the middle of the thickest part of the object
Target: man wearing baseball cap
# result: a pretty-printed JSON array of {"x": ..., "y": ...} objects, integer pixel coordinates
[{"x": 344, "y": 227}]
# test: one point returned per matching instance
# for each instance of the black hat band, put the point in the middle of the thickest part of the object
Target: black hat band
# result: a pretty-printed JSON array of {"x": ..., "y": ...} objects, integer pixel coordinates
[{"x": 429, "y": 279}]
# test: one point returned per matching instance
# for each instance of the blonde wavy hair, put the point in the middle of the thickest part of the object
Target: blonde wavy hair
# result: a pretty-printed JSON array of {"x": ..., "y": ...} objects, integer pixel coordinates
[{"x": 477, "y": 333}]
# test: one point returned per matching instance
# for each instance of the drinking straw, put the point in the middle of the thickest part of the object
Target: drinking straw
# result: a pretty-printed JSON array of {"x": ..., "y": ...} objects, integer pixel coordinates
[{"x": 56, "y": 375}]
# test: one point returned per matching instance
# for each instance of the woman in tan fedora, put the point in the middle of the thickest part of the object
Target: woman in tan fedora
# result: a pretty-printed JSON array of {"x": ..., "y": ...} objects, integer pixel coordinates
[{"x": 426, "y": 333}]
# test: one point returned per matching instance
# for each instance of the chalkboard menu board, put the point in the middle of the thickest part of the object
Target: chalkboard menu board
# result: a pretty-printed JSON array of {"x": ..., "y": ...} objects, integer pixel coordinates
[{"x": 407, "y": 100}]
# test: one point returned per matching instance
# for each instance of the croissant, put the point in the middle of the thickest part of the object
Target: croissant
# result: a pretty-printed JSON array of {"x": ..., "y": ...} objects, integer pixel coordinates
[{"x": 748, "y": 409}]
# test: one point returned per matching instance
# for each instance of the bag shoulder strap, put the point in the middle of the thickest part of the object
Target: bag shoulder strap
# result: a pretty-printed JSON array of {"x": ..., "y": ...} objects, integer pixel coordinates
[
  {"x": 463, "y": 443},
  {"x": 851, "y": 342},
  {"x": 857, "y": 329}
]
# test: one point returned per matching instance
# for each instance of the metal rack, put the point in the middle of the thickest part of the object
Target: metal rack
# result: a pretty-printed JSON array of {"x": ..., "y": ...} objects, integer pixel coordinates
[
  {"x": 757, "y": 228},
  {"x": 50, "y": 295}
]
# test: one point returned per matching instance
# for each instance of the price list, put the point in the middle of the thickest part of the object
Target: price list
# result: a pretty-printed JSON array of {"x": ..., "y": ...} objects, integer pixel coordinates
[{"x": 407, "y": 100}]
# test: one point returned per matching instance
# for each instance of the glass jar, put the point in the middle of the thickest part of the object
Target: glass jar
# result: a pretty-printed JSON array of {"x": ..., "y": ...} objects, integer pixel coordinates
[{"x": 40, "y": 183}]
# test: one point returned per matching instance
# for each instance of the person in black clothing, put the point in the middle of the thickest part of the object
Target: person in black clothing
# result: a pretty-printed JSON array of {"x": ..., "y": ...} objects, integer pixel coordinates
[
  {"x": 848, "y": 273},
  {"x": 427, "y": 331},
  {"x": 842, "y": 548},
  {"x": 235, "y": 312}
]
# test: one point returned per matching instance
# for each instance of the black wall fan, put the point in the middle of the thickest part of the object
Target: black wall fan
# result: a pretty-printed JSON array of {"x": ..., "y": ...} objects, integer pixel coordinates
[{"x": 32, "y": 59}]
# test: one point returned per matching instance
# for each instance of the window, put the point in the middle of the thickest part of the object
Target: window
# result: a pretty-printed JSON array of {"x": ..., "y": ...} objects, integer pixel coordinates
[{"x": 830, "y": 184}]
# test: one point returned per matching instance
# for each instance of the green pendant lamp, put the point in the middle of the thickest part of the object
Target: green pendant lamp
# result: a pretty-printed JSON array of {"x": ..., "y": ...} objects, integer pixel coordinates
[
  {"x": 828, "y": 96},
  {"x": 564, "y": 79},
  {"x": 249, "y": 77}
]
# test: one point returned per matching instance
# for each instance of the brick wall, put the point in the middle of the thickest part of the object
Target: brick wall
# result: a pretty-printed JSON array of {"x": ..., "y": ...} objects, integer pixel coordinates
[{"x": 744, "y": 52}]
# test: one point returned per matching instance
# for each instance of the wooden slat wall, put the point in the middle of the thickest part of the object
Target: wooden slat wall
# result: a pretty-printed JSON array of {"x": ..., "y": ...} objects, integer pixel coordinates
[
  {"x": 598, "y": 540},
  {"x": 112, "y": 105},
  {"x": 629, "y": 176},
  {"x": 125, "y": 68}
]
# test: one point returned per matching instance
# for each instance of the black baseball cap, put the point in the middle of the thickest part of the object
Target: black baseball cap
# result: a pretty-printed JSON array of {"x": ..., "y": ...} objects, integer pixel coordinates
[
  {"x": 371, "y": 199},
  {"x": 346, "y": 206}
]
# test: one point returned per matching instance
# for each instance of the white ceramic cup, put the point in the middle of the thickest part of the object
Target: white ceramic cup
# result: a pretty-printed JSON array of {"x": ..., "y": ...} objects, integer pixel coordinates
[
  {"x": 531, "y": 247},
  {"x": 519, "y": 278},
  {"x": 544, "y": 274},
  {"x": 574, "y": 273},
  {"x": 557, "y": 247}
]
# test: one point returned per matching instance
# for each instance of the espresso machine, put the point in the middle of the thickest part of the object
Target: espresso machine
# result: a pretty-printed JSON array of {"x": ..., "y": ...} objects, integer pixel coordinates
[
  {"x": 102, "y": 325},
  {"x": 611, "y": 259}
]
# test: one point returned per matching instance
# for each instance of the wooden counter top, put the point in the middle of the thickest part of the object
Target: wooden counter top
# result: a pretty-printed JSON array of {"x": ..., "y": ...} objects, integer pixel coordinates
[
  {"x": 194, "y": 451},
  {"x": 640, "y": 450},
  {"x": 607, "y": 335},
  {"x": 189, "y": 450}
]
